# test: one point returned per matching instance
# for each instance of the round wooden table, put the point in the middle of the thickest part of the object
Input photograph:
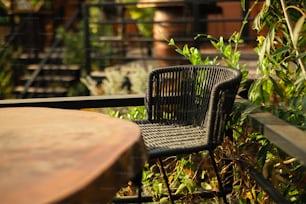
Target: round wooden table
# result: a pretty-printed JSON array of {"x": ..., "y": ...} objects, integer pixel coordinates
[{"x": 49, "y": 155}]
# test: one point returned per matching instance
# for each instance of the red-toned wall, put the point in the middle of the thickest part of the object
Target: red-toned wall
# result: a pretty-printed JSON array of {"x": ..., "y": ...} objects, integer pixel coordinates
[{"x": 231, "y": 10}]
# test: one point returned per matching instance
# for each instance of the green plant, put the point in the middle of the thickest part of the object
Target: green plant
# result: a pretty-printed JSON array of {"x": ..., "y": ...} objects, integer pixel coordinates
[
  {"x": 282, "y": 60},
  {"x": 142, "y": 14},
  {"x": 281, "y": 90},
  {"x": 181, "y": 176},
  {"x": 6, "y": 72},
  {"x": 186, "y": 174},
  {"x": 35, "y": 2},
  {"x": 130, "y": 113},
  {"x": 73, "y": 41},
  {"x": 4, "y": 10},
  {"x": 229, "y": 50},
  {"x": 73, "y": 45}
]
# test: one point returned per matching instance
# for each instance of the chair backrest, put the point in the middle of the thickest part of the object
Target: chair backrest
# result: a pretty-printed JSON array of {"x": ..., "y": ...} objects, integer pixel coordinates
[{"x": 193, "y": 95}]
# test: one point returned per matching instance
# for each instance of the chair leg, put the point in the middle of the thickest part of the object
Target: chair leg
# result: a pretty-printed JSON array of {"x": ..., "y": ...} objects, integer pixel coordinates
[
  {"x": 166, "y": 180},
  {"x": 221, "y": 188},
  {"x": 139, "y": 193},
  {"x": 138, "y": 182}
]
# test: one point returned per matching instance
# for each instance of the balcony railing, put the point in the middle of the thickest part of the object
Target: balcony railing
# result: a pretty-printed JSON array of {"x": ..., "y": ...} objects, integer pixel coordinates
[
  {"x": 118, "y": 33},
  {"x": 113, "y": 37}
]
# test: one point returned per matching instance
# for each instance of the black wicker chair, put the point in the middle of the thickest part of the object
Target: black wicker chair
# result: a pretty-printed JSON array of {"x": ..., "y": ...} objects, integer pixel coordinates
[{"x": 187, "y": 109}]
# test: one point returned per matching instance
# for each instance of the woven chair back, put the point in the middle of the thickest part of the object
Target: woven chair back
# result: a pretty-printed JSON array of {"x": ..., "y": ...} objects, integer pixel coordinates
[{"x": 193, "y": 95}]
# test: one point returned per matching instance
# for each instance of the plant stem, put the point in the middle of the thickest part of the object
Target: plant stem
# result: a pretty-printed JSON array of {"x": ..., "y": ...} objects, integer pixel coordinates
[
  {"x": 291, "y": 36},
  {"x": 244, "y": 22}
]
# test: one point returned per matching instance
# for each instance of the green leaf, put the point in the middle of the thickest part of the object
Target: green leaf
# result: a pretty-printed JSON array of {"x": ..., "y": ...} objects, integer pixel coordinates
[
  {"x": 171, "y": 42},
  {"x": 243, "y": 5},
  {"x": 281, "y": 50},
  {"x": 195, "y": 56},
  {"x": 296, "y": 30},
  {"x": 304, "y": 104},
  {"x": 191, "y": 186},
  {"x": 202, "y": 35},
  {"x": 214, "y": 44},
  {"x": 179, "y": 51},
  {"x": 164, "y": 200},
  {"x": 206, "y": 186},
  {"x": 277, "y": 88},
  {"x": 181, "y": 188},
  {"x": 186, "y": 51},
  {"x": 228, "y": 51}
]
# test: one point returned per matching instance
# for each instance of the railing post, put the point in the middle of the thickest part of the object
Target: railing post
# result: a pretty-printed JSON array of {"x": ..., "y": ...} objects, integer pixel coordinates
[{"x": 85, "y": 8}]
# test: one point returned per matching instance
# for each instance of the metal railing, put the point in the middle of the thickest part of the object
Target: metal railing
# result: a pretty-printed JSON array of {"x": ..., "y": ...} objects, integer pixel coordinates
[
  {"x": 12, "y": 38},
  {"x": 51, "y": 52},
  {"x": 9, "y": 42},
  {"x": 113, "y": 36},
  {"x": 126, "y": 43}
]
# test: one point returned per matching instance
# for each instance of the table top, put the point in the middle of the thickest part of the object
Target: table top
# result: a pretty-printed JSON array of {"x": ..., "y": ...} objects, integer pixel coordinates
[{"x": 48, "y": 155}]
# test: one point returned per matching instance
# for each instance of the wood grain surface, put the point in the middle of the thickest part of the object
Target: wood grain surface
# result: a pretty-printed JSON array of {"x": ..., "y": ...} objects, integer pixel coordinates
[{"x": 47, "y": 154}]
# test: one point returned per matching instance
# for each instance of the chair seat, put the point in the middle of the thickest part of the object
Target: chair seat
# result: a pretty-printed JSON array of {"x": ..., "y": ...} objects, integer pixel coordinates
[{"x": 171, "y": 139}]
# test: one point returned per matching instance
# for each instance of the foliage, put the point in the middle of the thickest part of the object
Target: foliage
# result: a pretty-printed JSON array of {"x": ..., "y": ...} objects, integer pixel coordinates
[
  {"x": 6, "y": 72},
  {"x": 280, "y": 89},
  {"x": 123, "y": 80},
  {"x": 73, "y": 42},
  {"x": 130, "y": 113},
  {"x": 2, "y": 5},
  {"x": 282, "y": 60},
  {"x": 35, "y": 2},
  {"x": 78, "y": 89},
  {"x": 141, "y": 14},
  {"x": 181, "y": 177},
  {"x": 3, "y": 9},
  {"x": 73, "y": 53},
  {"x": 185, "y": 173},
  {"x": 229, "y": 50},
  {"x": 251, "y": 148}
]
